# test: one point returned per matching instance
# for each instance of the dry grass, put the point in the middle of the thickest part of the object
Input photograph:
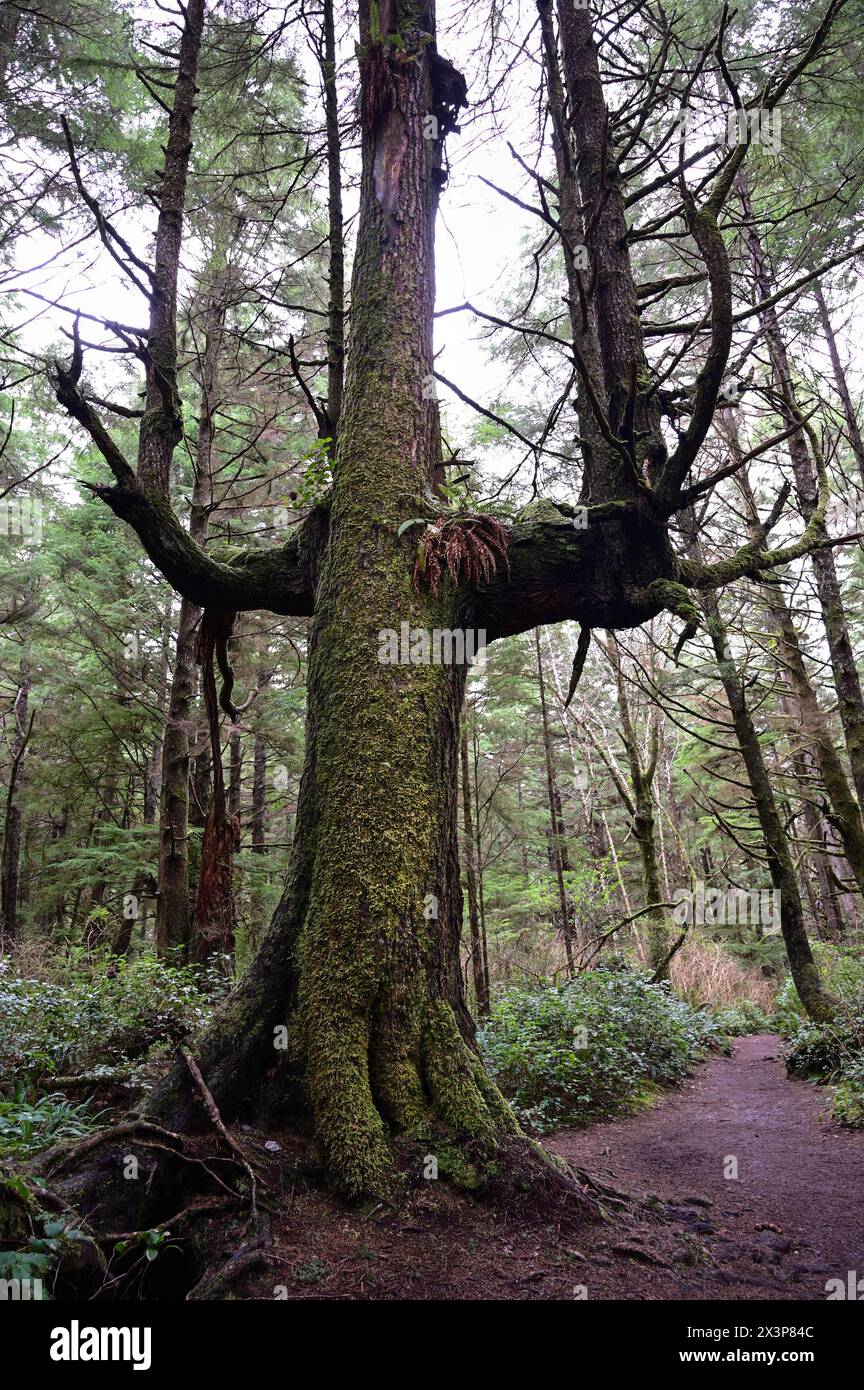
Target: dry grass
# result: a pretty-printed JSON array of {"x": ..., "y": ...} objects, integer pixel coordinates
[{"x": 706, "y": 974}]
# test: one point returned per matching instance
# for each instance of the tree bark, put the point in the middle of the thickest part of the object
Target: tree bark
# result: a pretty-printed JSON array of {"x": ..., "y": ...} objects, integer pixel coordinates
[
  {"x": 555, "y": 845},
  {"x": 367, "y": 987},
  {"x": 641, "y": 809},
  {"x": 840, "y": 381},
  {"x": 478, "y": 962},
  {"x": 9, "y": 864},
  {"x": 336, "y": 290},
  {"x": 161, "y": 427},
  {"x": 847, "y": 682},
  {"x": 802, "y": 966}
]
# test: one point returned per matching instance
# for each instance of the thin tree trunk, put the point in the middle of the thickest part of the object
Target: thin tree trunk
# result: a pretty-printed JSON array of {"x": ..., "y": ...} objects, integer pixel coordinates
[
  {"x": 846, "y": 679},
  {"x": 235, "y": 772},
  {"x": 642, "y": 814},
  {"x": 799, "y": 955},
  {"x": 849, "y": 415},
  {"x": 555, "y": 845},
  {"x": 481, "y": 984},
  {"x": 478, "y": 861},
  {"x": 173, "y": 904},
  {"x": 814, "y": 724},
  {"x": 9, "y": 865},
  {"x": 336, "y": 290}
]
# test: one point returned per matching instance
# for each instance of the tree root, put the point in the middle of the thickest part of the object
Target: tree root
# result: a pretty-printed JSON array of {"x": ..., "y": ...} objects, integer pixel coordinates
[
  {"x": 194, "y": 1209},
  {"x": 64, "y": 1155}
]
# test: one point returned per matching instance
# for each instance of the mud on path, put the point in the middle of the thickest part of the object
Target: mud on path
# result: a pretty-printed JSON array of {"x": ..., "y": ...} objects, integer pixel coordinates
[{"x": 792, "y": 1219}]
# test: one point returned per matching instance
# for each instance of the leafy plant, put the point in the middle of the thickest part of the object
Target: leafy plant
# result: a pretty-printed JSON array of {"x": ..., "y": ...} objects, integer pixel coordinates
[
  {"x": 742, "y": 1019},
  {"x": 94, "y": 1007},
  {"x": 591, "y": 1048},
  {"x": 28, "y": 1123}
]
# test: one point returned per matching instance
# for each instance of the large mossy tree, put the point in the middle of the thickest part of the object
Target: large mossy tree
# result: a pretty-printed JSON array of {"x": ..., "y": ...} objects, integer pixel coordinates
[{"x": 353, "y": 1011}]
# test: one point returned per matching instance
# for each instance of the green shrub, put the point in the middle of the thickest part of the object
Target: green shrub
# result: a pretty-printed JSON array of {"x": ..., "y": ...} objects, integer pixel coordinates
[
  {"x": 842, "y": 972},
  {"x": 588, "y": 1049},
  {"x": 849, "y": 1096},
  {"x": 29, "y": 1123},
  {"x": 741, "y": 1019},
  {"x": 97, "y": 1011},
  {"x": 831, "y": 1053}
]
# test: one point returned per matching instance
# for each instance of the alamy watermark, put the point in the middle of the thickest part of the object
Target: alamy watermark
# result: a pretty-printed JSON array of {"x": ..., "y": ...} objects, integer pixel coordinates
[
  {"x": 729, "y": 907},
  {"x": 21, "y": 515},
  {"x": 20, "y": 1290},
  {"x": 851, "y": 1288},
  {"x": 437, "y": 646},
  {"x": 757, "y": 126}
]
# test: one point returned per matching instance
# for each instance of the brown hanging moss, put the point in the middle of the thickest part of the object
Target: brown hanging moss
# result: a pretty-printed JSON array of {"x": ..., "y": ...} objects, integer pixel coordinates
[{"x": 467, "y": 547}]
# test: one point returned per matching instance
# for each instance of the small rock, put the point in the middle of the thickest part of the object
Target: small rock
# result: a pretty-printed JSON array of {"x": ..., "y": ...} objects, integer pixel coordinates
[{"x": 777, "y": 1245}]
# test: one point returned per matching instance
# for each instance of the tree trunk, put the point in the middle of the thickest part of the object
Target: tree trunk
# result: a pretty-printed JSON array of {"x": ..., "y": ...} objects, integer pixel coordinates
[
  {"x": 173, "y": 904},
  {"x": 641, "y": 808},
  {"x": 847, "y": 682},
  {"x": 9, "y": 864},
  {"x": 814, "y": 724},
  {"x": 555, "y": 845},
  {"x": 336, "y": 286},
  {"x": 235, "y": 772},
  {"x": 105, "y": 818},
  {"x": 802, "y": 966},
  {"x": 478, "y": 963},
  {"x": 369, "y": 988},
  {"x": 840, "y": 381}
]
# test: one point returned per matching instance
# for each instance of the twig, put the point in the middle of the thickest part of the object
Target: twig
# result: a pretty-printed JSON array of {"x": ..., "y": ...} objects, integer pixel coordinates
[{"x": 213, "y": 1112}]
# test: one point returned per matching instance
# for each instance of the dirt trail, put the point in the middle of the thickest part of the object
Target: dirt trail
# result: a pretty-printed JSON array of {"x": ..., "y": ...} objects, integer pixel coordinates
[{"x": 792, "y": 1219}]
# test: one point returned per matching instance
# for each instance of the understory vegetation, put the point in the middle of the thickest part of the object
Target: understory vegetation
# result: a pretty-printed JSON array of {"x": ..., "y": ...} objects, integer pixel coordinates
[
  {"x": 84, "y": 1035},
  {"x": 585, "y": 1050},
  {"x": 830, "y": 1053}
]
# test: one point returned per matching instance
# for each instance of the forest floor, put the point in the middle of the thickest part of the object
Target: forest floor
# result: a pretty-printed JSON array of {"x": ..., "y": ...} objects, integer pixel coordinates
[{"x": 793, "y": 1218}]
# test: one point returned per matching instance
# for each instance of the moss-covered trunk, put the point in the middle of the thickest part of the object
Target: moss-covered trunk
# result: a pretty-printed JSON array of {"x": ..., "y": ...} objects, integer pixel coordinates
[{"x": 355, "y": 1002}]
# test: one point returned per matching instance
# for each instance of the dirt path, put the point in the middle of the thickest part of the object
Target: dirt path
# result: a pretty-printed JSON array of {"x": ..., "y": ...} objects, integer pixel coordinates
[{"x": 794, "y": 1216}]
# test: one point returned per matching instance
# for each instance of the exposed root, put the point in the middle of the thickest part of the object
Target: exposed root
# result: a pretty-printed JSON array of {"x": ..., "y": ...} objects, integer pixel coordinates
[
  {"x": 65, "y": 1155},
  {"x": 170, "y": 1226}
]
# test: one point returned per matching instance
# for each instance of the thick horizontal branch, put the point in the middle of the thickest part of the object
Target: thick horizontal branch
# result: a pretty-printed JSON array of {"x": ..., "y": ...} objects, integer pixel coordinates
[
  {"x": 558, "y": 572},
  {"x": 279, "y": 580}
]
